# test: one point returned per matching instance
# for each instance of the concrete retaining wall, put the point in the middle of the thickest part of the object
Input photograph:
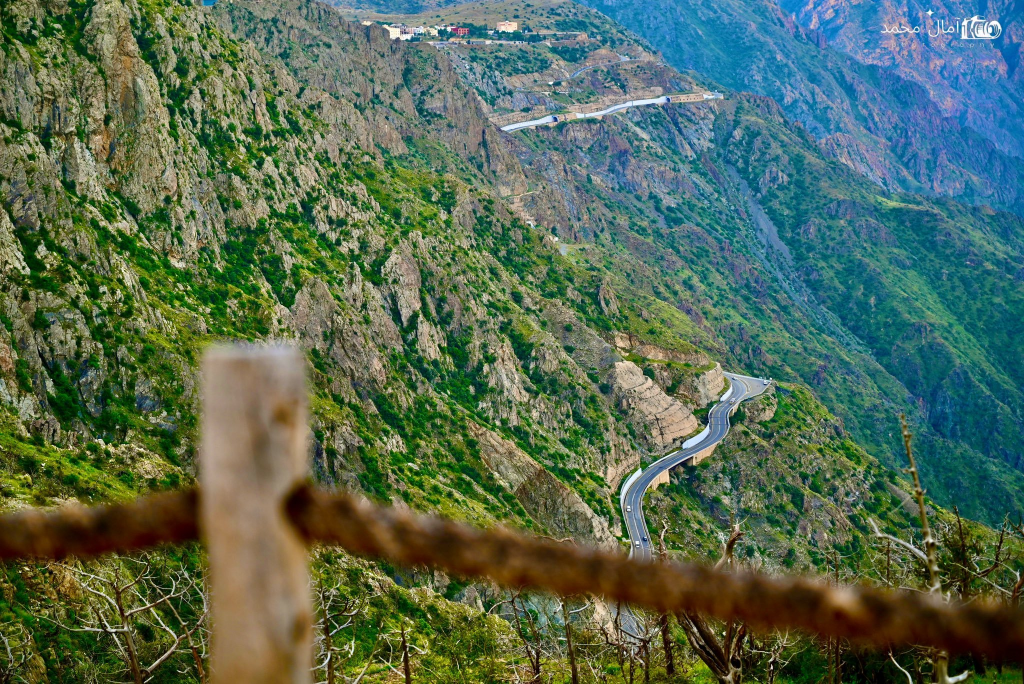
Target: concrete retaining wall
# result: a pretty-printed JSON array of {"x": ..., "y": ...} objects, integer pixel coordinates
[
  {"x": 701, "y": 455},
  {"x": 697, "y": 439},
  {"x": 660, "y": 480},
  {"x": 625, "y": 486}
]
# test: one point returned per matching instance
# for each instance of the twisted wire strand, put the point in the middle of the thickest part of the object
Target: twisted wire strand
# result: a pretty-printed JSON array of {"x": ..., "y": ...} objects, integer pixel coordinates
[{"x": 864, "y": 614}]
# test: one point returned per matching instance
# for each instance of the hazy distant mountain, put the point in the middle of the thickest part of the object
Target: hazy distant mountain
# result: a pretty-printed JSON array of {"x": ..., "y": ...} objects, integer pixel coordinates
[
  {"x": 885, "y": 126},
  {"x": 978, "y": 82}
]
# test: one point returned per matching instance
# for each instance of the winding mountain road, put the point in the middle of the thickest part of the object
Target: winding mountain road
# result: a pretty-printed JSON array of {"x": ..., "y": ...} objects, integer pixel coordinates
[
  {"x": 631, "y": 497},
  {"x": 622, "y": 106},
  {"x": 621, "y": 59}
]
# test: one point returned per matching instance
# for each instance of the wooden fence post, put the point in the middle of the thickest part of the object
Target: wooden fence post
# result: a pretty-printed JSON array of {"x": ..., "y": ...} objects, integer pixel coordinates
[{"x": 253, "y": 453}]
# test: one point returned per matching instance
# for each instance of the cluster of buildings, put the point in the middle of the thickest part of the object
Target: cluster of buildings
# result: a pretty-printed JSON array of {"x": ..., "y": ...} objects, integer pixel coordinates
[{"x": 403, "y": 32}]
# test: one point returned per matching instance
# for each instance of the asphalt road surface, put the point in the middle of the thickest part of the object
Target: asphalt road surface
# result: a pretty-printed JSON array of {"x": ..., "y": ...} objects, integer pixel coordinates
[
  {"x": 742, "y": 388},
  {"x": 622, "y": 58},
  {"x": 566, "y": 116},
  {"x": 622, "y": 106}
]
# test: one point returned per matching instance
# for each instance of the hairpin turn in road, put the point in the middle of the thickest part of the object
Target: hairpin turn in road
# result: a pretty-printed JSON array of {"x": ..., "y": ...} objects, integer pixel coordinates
[{"x": 742, "y": 388}]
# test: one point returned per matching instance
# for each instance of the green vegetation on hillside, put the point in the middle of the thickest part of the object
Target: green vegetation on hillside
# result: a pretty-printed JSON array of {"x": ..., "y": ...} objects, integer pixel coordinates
[{"x": 266, "y": 171}]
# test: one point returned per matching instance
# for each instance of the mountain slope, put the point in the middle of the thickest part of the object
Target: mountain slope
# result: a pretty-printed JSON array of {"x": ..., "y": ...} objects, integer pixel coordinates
[
  {"x": 934, "y": 289},
  {"x": 787, "y": 312},
  {"x": 172, "y": 175},
  {"x": 979, "y": 83},
  {"x": 681, "y": 201},
  {"x": 879, "y": 124},
  {"x": 113, "y": 285}
]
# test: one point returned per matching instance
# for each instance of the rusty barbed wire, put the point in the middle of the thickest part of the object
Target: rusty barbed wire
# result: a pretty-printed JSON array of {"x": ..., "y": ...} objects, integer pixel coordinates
[
  {"x": 88, "y": 531},
  {"x": 867, "y": 615}
]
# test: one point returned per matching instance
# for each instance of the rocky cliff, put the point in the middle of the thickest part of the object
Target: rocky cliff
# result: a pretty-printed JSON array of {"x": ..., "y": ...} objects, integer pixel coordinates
[
  {"x": 543, "y": 496},
  {"x": 897, "y": 127},
  {"x": 977, "y": 82},
  {"x": 684, "y": 200},
  {"x": 426, "y": 104}
]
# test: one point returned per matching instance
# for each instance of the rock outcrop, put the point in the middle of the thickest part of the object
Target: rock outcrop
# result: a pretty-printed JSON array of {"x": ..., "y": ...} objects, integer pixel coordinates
[
  {"x": 703, "y": 388},
  {"x": 763, "y": 407},
  {"x": 607, "y": 300},
  {"x": 666, "y": 419},
  {"x": 545, "y": 498},
  {"x": 659, "y": 420},
  {"x": 11, "y": 258}
]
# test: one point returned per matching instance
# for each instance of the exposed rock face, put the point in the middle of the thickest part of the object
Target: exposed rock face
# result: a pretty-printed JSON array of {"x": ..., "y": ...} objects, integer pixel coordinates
[
  {"x": 606, "y": 298},
  {"x": 623, "y": 341},
  {"x": 403, "y": 276},
  {"x": 705, "y": 387},
  {"x": 11, "y": 258},
  {"x": 667, "y": 420},
  {"x": 323, "y": 324},
  {"x": 589, "y": 351},
  {"x": 907, "y": 119},
  {"x": 952, "y": 76},
  {"x": 543, "y": 496},
  {"x": 763, "y": 408},
  {"x": 680, "y": 373},
  {"x": 659, "y": 419},
  {"x": 605, "y": 155},
  {"x": 504, "y": 375},
  {"x": 160, "y": 139},
  {"x": 134, "y": 100}
]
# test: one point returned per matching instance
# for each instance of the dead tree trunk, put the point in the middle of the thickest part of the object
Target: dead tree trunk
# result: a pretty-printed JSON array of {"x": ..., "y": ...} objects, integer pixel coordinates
[
  {"x": 120, "y": 606},
  {"x": 328, "y": 638},
  {"x": 406, "y": 668},
  {"x": 129, "y": 637},
  {"x": 724, "y": 657},
  {"x": 666, "y": 643},
  {"x": 567, "y": 619},
  {"x": 531, "y": 643}
]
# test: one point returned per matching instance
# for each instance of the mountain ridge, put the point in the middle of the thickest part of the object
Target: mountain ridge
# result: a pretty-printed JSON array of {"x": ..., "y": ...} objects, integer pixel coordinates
[{"x": 498, "y": 328}]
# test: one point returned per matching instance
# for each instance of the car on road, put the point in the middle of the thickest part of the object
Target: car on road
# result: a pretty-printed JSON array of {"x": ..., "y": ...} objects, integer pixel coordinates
[
  {"x": 638, "y": 543},
  {"x": 767, "y": 381},
  {"x": 629, "y": 509},
  {"x": 645, "y": 538}
]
